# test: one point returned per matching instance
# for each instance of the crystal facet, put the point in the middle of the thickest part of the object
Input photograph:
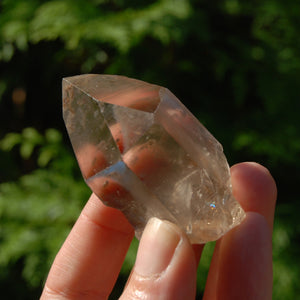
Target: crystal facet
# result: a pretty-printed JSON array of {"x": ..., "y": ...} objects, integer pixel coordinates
[{"x": 141, "y": 151}]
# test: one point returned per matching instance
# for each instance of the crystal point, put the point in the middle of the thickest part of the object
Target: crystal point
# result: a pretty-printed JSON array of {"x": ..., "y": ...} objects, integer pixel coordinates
[{"x": 141, "y": 151}]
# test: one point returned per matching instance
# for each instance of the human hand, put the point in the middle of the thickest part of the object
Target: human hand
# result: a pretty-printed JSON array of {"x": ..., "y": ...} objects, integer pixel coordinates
[{"x": 88, "y": 264}]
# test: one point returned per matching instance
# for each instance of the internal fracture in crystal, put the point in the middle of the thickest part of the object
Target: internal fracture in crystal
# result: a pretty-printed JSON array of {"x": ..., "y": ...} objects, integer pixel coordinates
[{"x": 141, "y": 151}]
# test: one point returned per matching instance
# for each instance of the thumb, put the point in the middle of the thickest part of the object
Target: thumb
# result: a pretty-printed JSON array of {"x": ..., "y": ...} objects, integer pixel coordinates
[{"x": 165, "y": 266}]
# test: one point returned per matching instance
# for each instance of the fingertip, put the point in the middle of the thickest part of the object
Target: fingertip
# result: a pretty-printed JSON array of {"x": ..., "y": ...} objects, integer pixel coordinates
[
  {"x": 255, "y": 189},
  {"x": 165, "y": 267},
  {"x": 258, "y": 176}
]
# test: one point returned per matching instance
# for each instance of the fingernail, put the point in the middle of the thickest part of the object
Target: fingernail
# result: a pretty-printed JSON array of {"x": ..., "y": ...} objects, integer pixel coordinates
[{"x": 157, "y": 247}]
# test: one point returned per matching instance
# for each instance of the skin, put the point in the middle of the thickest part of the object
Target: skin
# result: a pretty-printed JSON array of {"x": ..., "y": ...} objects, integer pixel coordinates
[{"x": 88, "y": 264}]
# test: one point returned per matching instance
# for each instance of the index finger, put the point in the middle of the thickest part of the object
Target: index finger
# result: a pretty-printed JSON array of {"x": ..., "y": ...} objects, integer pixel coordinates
[{"x": 90, "y": 260}]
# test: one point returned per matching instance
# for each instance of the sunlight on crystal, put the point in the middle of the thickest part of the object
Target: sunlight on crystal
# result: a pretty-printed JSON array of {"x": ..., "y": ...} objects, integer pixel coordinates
[{"x": 141, "y": 151}]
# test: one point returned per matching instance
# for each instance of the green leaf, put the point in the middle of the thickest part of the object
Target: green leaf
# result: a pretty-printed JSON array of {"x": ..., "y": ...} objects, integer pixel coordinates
[
  {"x": 26, "y": 149},
  {"x": 53, "y": 136},
  {"x": 46, "y": 155},
  {"x": 10, "y": 140},
  {"x": 33, "y": 136}
]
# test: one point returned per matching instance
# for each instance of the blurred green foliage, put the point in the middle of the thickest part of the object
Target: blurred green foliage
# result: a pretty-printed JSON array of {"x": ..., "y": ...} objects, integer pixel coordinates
[{"x": 235, "y": 64}]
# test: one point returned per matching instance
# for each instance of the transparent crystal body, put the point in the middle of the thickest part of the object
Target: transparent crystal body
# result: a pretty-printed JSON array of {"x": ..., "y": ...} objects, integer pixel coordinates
[{"x": 141, "y": 151}]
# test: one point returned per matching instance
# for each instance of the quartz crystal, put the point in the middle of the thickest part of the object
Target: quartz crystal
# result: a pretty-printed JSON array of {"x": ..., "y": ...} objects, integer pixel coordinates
[{"x": 141, "y": 151}]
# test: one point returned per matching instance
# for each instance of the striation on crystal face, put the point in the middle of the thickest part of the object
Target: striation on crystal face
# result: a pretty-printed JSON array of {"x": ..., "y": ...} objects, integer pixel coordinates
[{"x": 141, "y": 151}]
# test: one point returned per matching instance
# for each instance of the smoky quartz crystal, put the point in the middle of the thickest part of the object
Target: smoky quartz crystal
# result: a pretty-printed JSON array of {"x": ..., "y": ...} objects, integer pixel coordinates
[{"x": 141, "y": 151}]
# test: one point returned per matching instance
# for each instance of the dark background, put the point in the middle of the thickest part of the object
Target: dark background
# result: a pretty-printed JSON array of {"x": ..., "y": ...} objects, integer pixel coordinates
[{"x": 234, "y": 64}]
